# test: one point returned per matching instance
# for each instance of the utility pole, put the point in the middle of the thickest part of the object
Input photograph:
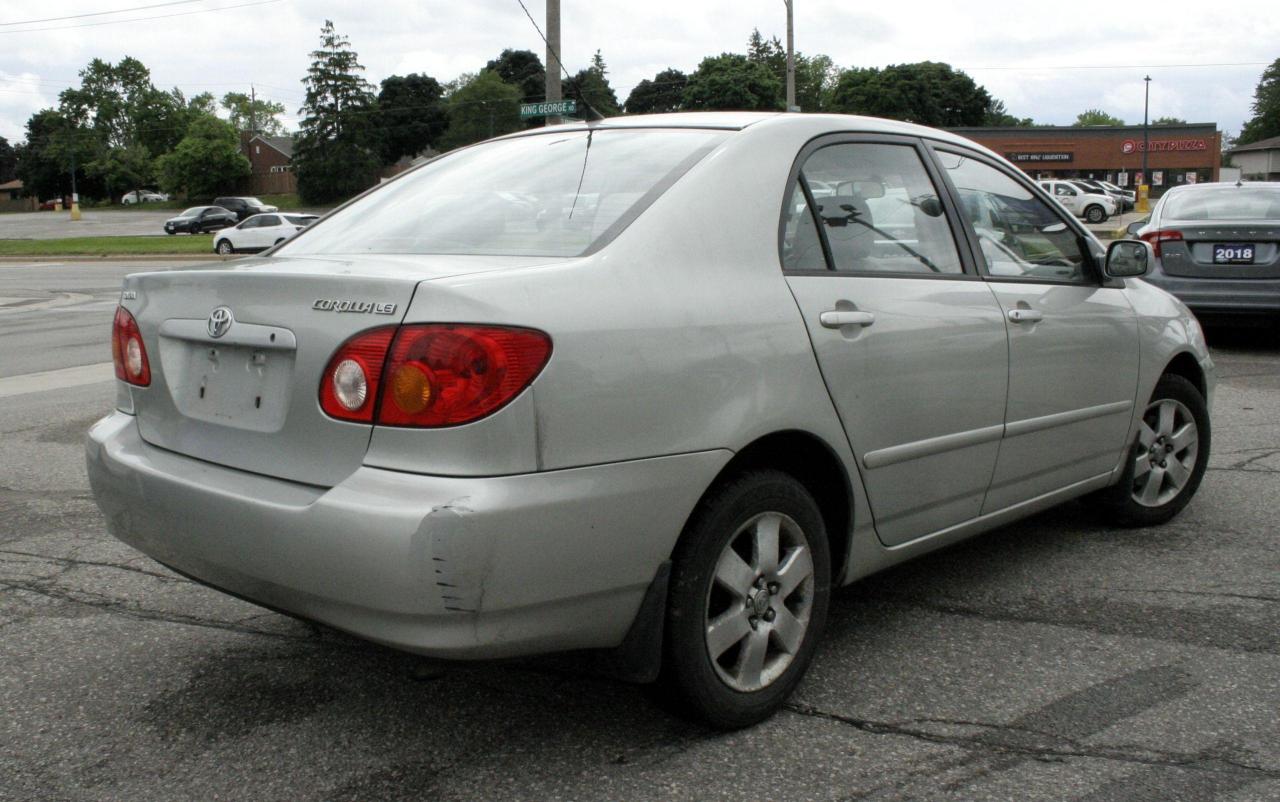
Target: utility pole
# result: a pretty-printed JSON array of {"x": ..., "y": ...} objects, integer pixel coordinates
[
  {"x": 253, "y": 113},
  {"x": 1144, "y": 191},
  {"x": 553, "y": 56},
  {"x": 791, "y": 56}
]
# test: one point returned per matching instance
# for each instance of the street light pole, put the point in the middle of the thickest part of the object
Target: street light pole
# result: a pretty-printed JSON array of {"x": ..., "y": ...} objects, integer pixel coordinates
[
  {"x": 791, "y": 56},
  {"x": 1144, "y": 190}
]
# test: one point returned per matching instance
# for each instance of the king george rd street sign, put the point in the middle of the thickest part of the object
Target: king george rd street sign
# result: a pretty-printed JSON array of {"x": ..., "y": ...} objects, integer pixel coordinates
[{"x": 555, "y": 108}]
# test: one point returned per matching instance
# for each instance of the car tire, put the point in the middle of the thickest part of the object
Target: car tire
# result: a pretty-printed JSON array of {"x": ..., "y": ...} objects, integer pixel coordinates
[
  {"x": 1175, "y": 431},
  {"x": 224, "y": 247},
  {"x": 195, "y": 229},
  {"x": 728, "y": 656},
  {"x": 1095, "y": 214}
]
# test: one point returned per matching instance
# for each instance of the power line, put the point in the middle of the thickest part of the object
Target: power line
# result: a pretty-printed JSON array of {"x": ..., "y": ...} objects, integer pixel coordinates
[
  {"x": 100, "y": 13},
  {"x": 143, "y": 19},
  {"x": 1034, "y": 68}
]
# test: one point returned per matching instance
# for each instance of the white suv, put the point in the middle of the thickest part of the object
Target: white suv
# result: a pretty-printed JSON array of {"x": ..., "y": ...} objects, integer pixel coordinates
[{"x": 1094, "y": 207}]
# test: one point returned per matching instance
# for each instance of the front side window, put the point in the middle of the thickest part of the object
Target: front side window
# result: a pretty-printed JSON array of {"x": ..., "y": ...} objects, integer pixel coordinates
[
  {"x": 1021, "y": 236},
  {"x": 558, "y": 194},
  {"x": 878, "y": 208}
]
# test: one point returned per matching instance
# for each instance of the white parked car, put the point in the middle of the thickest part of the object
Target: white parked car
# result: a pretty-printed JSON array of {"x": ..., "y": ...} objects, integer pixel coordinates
[
  {"x": 1094, "y": 207},
  {"x": 260, "y": 232},
  {"x": 143, "y": 196}
]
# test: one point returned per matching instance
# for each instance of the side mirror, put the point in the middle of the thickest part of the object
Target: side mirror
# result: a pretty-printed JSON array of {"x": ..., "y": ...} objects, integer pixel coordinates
[
  {"x": 1128, "y": 258},
  {"x": 1133, "y": 228}
]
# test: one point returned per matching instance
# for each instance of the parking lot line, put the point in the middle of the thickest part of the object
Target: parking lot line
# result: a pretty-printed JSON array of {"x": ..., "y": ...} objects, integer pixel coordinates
[{"x": 56, "y": 379}]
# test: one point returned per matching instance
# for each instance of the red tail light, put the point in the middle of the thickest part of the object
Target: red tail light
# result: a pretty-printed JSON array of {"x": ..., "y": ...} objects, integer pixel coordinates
[
  {"x": 349, "y": 389},
  {"x": 434, "y": 374},
  {"x": 1157, "y": 237},
  {"x": 128, "y": 351}
]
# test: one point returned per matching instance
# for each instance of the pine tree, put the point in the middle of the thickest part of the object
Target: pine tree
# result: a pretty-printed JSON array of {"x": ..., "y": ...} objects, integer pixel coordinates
[{"x": 336, "y": 153}]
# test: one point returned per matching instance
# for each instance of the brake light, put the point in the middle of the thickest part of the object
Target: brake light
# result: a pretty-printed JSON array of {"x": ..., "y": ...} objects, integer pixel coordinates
[
  {"x": 431, "y": 375},
  {"x": 349, "y": 387},
  {"x": 1157, "y": 237},
  {"x": 445, "y": 375},
  {"x": 128, "y": 351}
]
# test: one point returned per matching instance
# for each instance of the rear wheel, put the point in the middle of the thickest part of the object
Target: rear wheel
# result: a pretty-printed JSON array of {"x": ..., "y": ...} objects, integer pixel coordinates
[
  {"x": 224, "y": 247},
  {"x": 196, "y": 229},
  {"x": 1167, "y": 459},
  {"x": 748, "y": 598},
  {"x": 1095, "y": 214}
]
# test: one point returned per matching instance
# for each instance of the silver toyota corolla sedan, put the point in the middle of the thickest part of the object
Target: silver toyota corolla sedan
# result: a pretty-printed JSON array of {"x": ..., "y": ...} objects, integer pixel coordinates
[{"x": 635, "y": 386}]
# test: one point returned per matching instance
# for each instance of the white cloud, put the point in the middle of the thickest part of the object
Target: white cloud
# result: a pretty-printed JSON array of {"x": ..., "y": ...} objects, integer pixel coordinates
[{"x": 268, "y": 45}]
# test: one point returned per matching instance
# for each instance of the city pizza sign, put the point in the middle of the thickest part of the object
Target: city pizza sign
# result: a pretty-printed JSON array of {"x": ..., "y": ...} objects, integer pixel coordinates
[{"x": 1165, "y": 145}]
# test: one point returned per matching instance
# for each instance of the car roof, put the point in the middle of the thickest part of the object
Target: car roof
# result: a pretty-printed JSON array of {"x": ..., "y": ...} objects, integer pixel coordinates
[{"x": 744, "y": 120}]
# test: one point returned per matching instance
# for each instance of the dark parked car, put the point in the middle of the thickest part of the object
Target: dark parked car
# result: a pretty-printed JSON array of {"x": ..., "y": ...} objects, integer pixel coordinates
[
  {"x": 200, "y": 218},
  {"x": 244, "y": 207},
  {"x": 1217, "y": 246}
]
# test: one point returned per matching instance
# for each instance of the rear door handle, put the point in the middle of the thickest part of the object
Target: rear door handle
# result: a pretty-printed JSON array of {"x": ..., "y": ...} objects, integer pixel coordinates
[
  {"x": 1025, "y": 315},
  {"x": 836, "y": 318}
]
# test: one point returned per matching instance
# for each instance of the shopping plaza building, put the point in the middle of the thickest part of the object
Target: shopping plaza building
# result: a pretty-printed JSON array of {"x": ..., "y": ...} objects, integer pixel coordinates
[{"x": 1176, "y": 154}]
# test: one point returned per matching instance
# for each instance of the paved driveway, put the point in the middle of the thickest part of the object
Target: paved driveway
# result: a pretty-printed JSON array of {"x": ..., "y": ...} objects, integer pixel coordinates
[{"x": 92, "y": 223}]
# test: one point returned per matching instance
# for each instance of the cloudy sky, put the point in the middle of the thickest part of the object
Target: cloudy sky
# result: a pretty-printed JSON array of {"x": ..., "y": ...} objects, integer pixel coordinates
[{"x": 1048, "y": 61}]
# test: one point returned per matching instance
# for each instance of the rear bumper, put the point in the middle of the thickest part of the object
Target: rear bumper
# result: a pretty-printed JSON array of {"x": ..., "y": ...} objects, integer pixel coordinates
[
  {"x": 442, "y": 566},
  {"x": 1222, "y": 295}
]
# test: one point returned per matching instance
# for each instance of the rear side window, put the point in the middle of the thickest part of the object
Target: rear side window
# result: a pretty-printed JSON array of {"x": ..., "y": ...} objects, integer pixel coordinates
[
  {"x": 878, "y": 208},
  {"x": 560, "y": 194}
]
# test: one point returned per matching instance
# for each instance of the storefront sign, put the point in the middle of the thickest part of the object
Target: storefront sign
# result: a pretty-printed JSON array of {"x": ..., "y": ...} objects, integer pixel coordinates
[
  {"x": 1164, "y": 145},
  {"x": 1039, "y": 156},
  {"x": 1191, "y": 178},
  {"x": 1157, "y": 178}
]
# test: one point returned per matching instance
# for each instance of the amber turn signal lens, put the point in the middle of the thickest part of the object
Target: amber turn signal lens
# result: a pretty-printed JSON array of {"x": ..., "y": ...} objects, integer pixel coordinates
[{"x": 411, "y": 388}]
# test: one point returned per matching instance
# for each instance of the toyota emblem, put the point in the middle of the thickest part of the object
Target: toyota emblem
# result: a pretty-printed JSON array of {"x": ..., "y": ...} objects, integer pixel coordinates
[{"x": 220, "y": 321}]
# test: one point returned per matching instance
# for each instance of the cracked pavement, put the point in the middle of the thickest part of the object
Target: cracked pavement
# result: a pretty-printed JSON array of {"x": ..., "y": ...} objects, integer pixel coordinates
[{"x": 1053, "y": 659}]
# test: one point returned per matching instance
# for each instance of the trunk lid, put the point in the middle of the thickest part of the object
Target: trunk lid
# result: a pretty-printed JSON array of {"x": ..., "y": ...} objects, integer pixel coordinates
[
  {"x": 248, "y": 398},
  {"x": 1193, "y": 256}
]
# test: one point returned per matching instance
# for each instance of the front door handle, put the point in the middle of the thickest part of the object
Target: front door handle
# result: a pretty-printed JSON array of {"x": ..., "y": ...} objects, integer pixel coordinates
[
  {"x": 836, "y": 318},
  {"x": 1025, "y": 315}
]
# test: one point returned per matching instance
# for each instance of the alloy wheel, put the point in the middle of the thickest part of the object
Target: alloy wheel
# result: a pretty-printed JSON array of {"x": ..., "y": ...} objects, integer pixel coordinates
[
  {"x": 760, "y": 601},
  {"x": 1168, "y": 443}
]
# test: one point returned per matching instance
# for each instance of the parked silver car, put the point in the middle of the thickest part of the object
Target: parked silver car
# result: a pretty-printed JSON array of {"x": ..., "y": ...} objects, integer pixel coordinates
[
  {"x": 664, "y": 419},
  {"x": 1217, "y": 246}
]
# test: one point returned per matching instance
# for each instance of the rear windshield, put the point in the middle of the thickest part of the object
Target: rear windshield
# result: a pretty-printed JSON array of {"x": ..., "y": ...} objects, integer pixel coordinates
[
  {"x": 559, "y": 194},
  {"x": 1231, "y": 203},
  {"x": 193, "y": 211},
  {"x": 301, "y": 220}
]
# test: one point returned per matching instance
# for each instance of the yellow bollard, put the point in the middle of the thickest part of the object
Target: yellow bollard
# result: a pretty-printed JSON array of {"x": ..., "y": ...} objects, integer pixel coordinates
[
  {"x": 1144, "y": 195},
  {"x": 75, "y": 207}
]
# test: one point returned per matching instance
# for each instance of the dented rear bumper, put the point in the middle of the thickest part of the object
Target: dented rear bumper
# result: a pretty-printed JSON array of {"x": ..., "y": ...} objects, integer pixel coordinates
[{"x": 443, "y": 566}]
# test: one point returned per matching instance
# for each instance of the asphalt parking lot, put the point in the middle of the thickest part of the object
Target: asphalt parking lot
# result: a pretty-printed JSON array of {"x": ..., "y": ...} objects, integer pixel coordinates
[
  {"x": 1054, "y": 659},
  {"x": 92, "y": 223}
]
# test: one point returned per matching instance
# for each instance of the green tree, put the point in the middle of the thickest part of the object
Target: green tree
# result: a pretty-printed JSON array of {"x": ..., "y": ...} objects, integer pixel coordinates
[
  {"x": 54, "y": 145},
  {"x": 8, "y": 161},
  {"x": 336, "y": 151},
  {"x": 733, "y": 81},
  {"x": 1096, "y": 117},
  {"x": 411, "y": 115},
  {"x": 1265, "y": 122},
  {"x": 927, "y": 92},
  {"x": 522, "y": 69},
  {"x": 109, "y": 98},
  {"x": 1168, "y": 121},
  {"x": 816, "y": 79},
  {"x": 592, "y": 85},
  {"x": 997, "y": 115},
  {"x": 123, "y": 169},
  {"x": 254, "y": 114},
  {"x": 665, "y": 93},
  {"x": 483, "y": 106},
  {"x": 207, "y": 162}
]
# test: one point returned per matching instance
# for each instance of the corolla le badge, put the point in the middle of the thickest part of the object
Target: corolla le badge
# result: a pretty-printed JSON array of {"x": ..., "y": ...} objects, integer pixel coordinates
[
  {"x": 348, "y": 305},
  {"x": 220, "y": 321}
]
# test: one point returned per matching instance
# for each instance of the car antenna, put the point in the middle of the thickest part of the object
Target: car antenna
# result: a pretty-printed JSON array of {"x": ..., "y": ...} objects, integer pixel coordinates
[{"x": 589, "y": 112}]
